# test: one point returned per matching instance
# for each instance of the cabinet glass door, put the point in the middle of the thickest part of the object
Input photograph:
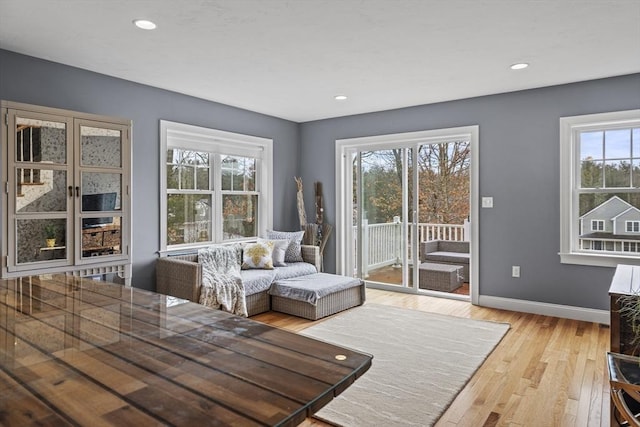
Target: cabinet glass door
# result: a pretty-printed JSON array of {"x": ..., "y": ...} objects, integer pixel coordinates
[
  {"x": 38, "y": 190},
  {"x": 66, "y": 199},
  {"x": 101, "y": 190}
]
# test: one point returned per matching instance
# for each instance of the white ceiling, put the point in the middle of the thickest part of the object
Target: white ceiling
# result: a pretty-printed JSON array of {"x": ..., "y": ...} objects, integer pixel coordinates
[{"x": 289, "y": 58}]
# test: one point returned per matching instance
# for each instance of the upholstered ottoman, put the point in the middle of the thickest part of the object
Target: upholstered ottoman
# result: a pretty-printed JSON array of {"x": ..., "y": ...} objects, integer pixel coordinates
[
  {"x": 440, "y": 277},
  {"x": 316, "y": 295}
]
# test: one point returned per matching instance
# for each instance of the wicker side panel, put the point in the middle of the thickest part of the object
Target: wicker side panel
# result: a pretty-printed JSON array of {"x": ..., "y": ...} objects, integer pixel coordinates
[
  {"x": 178, "y": 278},
  {"x": 326, "y": 306},
  {"x": 311, "y": 254},
  {"x": 185, "y": 257},
  {"x": 258, "y": 303}
]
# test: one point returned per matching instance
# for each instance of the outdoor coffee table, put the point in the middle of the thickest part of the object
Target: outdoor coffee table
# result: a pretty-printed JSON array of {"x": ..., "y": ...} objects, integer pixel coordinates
[
  {"x": 80, "y": 352},
  {"x": 440, "y": 277}
]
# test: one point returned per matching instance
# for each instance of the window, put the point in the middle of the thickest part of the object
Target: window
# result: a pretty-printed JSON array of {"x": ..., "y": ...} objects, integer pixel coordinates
[
  {"x": 631, "y": 247},
  {"x": 216, "y": 186},
  {"x": 189, "y": 196},
  {"x": 239, "y": 198},
  {"x": 600, "y": 188},
  {"x": 632, "y": 226}
]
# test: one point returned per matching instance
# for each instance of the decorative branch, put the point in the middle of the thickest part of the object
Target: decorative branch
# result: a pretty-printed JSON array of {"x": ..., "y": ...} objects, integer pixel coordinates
[
  {"x": 300, "y": 202},
  {"x": 315, "y": 234},
  {"x": 319, "y": 203}
]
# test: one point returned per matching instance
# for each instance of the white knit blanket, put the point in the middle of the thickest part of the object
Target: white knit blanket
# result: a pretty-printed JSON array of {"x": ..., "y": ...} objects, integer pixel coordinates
[{"x": 222, "y": 286}]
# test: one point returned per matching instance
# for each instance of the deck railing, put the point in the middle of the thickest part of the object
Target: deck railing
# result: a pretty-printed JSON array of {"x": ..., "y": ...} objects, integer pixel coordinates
[{"x": 384, "y": 241}]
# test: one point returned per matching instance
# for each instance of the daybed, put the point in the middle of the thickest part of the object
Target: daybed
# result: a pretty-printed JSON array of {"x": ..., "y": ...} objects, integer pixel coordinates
[
  {"x": 316, "y": 295},
  {"x": 447, "y": 252},
  {"x": 181, "y": 276}
]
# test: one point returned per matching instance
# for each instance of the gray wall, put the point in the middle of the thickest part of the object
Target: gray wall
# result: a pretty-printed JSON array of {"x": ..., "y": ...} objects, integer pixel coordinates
[
  {"x": 34, "y": 81},
  {"x": 518, "y": 166},
  {"x": 518, "y": 163}
]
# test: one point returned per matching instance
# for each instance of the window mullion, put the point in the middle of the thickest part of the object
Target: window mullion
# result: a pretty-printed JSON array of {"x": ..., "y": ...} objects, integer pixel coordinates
[
  {"x": 603, "y": 184},
  {"x": 217, "y": 220}
]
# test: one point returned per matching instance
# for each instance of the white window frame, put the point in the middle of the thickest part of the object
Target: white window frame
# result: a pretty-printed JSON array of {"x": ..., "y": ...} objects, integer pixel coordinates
[
  {"x": 217, "y": 142},
  {"x": 597, "y": 225},
  {"x": 570, "y": 128},
  {"x": 632, "y": 226},
  {"x": 630, "y": 247}
]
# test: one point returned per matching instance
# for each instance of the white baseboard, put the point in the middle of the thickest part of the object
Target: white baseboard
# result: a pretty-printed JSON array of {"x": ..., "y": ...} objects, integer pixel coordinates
[{"x": 546, "y": 309}]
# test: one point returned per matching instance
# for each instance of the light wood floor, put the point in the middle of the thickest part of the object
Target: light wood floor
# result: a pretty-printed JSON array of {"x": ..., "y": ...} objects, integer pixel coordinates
[
  {"x": 545, "y": 372},
  {"x": 393, "y": 276}
]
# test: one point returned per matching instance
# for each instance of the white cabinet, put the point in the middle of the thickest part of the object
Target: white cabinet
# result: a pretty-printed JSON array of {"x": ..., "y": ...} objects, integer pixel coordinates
[{"x": 66, "y": 199}]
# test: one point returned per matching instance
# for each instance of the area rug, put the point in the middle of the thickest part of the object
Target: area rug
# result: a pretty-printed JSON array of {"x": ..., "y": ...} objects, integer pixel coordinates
[{"x": 421, "y": 362}]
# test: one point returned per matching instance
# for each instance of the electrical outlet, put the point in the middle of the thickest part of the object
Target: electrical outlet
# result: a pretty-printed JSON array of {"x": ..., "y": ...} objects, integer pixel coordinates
[{"x": 515, "y": 271}]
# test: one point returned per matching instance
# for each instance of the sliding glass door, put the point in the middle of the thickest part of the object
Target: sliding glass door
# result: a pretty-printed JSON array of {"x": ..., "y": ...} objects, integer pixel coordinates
[
  {"x": 382, "y": 222},
  {"x": 407, "y": 199}
]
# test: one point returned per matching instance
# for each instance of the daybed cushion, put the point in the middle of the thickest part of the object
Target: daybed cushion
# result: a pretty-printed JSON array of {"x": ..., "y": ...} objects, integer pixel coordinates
[
  {"x": 441, "y": 256},
  {"x": 294, "y": 251},
  {"x": 311, "y": 288},
  {"x": 294, "y": 269},
  {"x": 255, "y": 281}
]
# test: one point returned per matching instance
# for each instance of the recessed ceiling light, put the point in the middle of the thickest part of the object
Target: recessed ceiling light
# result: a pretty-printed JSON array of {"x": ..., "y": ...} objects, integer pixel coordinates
[
  {"x": 340, "y": 97},
  {"x": 519, "y": 66},
  {"x": 144, "y": 24}
]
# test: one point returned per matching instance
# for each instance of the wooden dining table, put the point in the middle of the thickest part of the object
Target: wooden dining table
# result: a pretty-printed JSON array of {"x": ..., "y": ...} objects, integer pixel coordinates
[{"x": 76, "y": 351}]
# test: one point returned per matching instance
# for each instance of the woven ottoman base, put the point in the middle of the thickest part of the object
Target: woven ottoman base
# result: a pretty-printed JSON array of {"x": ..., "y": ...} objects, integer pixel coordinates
[
  {"x": 440, "y": 277},
  {"x": 258, "y": 303},
  {"x": 325, "y": 306}
]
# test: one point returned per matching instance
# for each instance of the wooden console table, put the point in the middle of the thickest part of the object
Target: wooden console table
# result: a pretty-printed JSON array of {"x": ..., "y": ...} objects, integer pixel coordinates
[
  {"x": 626, "y": 281},
  {"x": 79, "y": 352}
]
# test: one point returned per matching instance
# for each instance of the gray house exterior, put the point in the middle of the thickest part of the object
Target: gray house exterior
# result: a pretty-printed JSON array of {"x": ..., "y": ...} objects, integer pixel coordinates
[{"x": 613, "y": 226}]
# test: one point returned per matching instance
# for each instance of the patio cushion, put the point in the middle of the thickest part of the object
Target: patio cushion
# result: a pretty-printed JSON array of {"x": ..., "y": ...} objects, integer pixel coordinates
[{"x": 442, "y": 256}]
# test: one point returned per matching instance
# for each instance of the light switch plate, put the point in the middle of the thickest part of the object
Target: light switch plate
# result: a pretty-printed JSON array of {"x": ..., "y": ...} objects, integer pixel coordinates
[
  {"x": 515, "y": 271},
  {"x": 487, "y": 202}
]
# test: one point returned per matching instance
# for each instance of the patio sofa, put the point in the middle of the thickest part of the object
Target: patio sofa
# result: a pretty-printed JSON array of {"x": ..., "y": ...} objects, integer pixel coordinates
[
  {"x": 447, "y": 252},
  {"x": 181, "y": 276}
]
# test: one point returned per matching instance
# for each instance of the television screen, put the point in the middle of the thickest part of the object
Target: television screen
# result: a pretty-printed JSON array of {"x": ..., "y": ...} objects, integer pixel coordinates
[{"x": 98, "y": 202}]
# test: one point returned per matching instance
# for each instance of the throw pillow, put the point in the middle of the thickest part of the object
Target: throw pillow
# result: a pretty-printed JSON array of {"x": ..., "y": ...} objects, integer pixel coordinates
[
  {"x": 257, "y": 255},
  {"x": 294, "y": 250},
  {"x": 279, "y": 250}
]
